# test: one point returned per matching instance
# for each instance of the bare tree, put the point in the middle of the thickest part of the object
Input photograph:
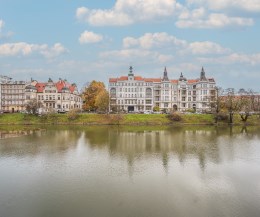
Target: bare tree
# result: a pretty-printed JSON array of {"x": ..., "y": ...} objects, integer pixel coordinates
[
  {"x": 231, "y": 103},
  {"x": 217, "y": 103},
  {"x": 33, "y": 106}
]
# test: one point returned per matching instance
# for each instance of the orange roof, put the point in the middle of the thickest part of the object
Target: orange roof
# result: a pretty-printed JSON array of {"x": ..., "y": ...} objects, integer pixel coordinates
[
  {"x": 174, "y": 81},
  {"x": 138, "y": 78},
  {"x": 152, "y": 79},
  {"x": 123, "y": 78},
  {"x": 112, "y": 79},
  {"x": 191, "y": 81}
]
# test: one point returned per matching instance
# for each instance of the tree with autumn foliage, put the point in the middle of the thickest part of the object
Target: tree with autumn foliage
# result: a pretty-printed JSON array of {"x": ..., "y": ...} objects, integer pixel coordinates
[
  {"x": 93, "y": 95},
  {"x": 102, "y": 101}
]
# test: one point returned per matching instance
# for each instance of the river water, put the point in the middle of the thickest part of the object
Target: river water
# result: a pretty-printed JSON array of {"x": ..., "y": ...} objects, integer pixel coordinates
[{"x": 131, "y": 171}]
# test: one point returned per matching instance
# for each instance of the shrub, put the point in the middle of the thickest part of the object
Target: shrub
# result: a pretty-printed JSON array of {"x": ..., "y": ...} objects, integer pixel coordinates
[
  {"x": 73, "y": 114},
  {"x": 115, "y": 118},
  {"x": 222, "y": 116},
  {"x": 175, "y": 116},
  {"x": 156, "y": 108},
  {"x": 191, "y": 110}
]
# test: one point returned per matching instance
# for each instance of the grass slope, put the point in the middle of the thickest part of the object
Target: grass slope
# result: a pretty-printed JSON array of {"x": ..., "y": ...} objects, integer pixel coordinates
[{"x": 126, "y": 119}]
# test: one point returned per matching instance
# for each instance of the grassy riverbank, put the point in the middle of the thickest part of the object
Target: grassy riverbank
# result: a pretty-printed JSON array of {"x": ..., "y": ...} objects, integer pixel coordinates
[{"x": 113, "y": 119}]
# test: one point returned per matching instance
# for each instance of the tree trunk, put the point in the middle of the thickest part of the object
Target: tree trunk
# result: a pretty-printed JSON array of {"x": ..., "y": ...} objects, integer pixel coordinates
[{"x": 231, "y": 117}]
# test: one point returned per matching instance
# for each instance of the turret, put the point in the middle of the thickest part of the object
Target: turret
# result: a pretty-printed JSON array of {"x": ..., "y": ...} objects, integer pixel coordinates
[
  {"x": 182, "y": 78},
  {"x": 165, "y": 75},
  {"x": 202, "y": 75}
]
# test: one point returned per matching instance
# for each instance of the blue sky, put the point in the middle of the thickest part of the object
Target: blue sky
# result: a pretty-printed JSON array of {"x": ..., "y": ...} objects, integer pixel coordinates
[{"x": 86, "y": 40}]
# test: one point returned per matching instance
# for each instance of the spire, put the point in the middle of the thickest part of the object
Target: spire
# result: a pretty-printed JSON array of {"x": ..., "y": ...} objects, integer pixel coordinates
[
  {"x": 202, "y": 75},
  {"x": 130, "y": 71},
  {"x": 165, "y": 75}
]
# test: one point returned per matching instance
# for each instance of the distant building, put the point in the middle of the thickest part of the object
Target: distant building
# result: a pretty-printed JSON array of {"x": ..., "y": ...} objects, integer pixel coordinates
[
  {"x": 135, "y": 93},
  {"x": 58, "y": 96},
  {"x": 12, "y": 95}
]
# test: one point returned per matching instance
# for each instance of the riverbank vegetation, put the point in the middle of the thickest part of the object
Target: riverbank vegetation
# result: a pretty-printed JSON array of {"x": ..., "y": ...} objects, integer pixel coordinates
[{"x": 121, "y": 119}]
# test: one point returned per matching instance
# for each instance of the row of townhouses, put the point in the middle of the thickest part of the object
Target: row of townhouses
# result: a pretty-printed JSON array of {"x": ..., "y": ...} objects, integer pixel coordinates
[
  {"x": 54, "y": 96},
  {"x": 134, "y": 93}
]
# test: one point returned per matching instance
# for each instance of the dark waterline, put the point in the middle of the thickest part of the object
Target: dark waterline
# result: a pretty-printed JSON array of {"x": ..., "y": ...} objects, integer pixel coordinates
[{"x": 131, "y": 171}]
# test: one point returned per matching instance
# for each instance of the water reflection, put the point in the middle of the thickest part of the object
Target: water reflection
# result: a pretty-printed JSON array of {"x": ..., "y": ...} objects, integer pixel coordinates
[
  {"x": 131, "y": 171},
  {"x": 201, "y": 143}
]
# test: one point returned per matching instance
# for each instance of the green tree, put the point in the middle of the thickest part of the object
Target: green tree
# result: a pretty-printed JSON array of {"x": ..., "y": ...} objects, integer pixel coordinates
[{"x": 156, "y": 108}]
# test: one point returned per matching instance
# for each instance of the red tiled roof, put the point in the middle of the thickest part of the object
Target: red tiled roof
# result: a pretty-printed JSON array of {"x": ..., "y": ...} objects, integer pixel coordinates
[
  {"x": 174, "y": 81},
  {"x": 138, "y": 78},
  {"x": 40, "y": 87},
  {"x": 59, "y": 85},
  {"x": 191, "y": 81},
  {"x": 123, "y": 78},
  {"x": 152, "y": 79},
  {"x": 112, "y": 79},
  {"x": 72, "y": 88}
]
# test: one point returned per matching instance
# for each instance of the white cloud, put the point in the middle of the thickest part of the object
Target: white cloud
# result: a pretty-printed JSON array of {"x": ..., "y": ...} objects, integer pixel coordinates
[
  {"x": 169, "y": 43},
  {"x": 246, "y": 5},
  {"x": 206, "y": 14},
  {"x": 1, "y": 24},
  {"x": 24, "y": 49},
  {"x": 90, "y": 37},
  {"x": 215, "y": 20},
  {"x": 54, "y": 51},
  {"x": 153, "y": 40},
  {"x": 192, "y": 14},
  {"x": 234, "y": 58},
  {"x": 126, "y": 12},
  {"x": 163, "y": 48},
  {"x": 137, "y": 55},
  {"x": 206, "y": 47}
]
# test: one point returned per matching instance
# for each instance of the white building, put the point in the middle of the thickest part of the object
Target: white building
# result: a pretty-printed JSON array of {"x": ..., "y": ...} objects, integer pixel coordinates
[
  {"x": 135, "y": 93},
  {"x": 59, "y": 96},
  {"x": 11, "y": 95}
]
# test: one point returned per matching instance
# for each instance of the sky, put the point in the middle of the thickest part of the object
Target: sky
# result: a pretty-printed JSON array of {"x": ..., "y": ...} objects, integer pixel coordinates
[{"x": 84, "y": 40}]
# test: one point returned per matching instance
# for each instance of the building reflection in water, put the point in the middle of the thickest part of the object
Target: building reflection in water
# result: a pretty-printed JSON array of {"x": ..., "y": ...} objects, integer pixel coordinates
[
  {"x": 132, "y": 143},
  {"x": 201, "y": 143}
]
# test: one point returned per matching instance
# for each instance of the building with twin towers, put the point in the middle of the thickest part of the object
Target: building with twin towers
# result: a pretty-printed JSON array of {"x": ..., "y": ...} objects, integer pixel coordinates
[{"x": 133, "y": 93}]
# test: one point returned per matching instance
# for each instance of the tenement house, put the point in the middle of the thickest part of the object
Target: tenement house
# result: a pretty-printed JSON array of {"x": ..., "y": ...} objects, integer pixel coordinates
[
  {"x": 11, "y": 95},
  {"x": 58, "y": 96},
  {"x": 134, "y": 93}
]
